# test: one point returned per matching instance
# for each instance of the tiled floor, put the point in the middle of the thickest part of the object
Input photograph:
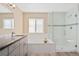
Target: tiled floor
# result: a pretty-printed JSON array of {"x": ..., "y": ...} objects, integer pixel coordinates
[
  {"x": 67, "y": 54},
  {"x": 56, "y": 54}
]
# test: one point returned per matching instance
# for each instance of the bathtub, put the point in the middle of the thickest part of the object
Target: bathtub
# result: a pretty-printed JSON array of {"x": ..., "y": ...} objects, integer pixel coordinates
[
  {"x": 38, "y": 39},
  {"x": 38, "y": 47}
]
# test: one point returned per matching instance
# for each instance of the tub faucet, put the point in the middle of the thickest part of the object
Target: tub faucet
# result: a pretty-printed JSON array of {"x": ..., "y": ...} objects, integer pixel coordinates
[{"x": 45, "y": 40}]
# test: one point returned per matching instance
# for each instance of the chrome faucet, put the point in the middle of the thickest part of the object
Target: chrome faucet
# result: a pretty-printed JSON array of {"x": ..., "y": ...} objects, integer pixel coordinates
[{"x": 12, "y": 34}]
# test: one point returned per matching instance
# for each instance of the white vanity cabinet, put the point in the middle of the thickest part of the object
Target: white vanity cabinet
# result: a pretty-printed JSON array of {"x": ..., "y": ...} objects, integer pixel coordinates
[
  {"x": 18, "y": 48},
  {"x": 14, "y": 49},
  {"x": 4, "y": 52},
  {"x": 23, "y": 47},
  {"x": 15, "y": 52},
  {"x": 0, "y": 53}
]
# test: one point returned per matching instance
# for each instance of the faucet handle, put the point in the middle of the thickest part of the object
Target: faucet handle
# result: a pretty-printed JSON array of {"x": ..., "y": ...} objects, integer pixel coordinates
[{"x": 13, "y": 32}]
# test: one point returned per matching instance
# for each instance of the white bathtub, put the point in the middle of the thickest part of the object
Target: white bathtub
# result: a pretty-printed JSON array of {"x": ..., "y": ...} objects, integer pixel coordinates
[
  {"x": 36, "y": 46},
  {"x": 39, "y": 41}
]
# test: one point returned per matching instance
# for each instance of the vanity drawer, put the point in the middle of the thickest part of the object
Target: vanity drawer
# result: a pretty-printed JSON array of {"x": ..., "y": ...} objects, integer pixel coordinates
[{"x": 13, "y": 47}]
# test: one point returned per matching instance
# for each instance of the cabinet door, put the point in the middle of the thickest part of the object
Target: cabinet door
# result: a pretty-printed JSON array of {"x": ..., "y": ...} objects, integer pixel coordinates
[
  {"x": 25, "y": 49},
  {"x": 13, "y": 47},
  {"x": 0, "y": 53},
  {"x": 4, "y": 52},
  {"x": 15, "y": 52},
  {"x": 21, "y": 47}
]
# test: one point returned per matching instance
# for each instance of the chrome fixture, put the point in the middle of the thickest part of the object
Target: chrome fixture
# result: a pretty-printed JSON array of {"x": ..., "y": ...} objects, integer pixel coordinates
[
  {"x": 12, "y": 5},
  {"x": 45, "y": 41},
  {"x": 12, "y": 34}
]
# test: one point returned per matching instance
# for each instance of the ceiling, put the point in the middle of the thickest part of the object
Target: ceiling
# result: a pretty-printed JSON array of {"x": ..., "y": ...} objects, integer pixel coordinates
[
  {"x": 46, "y": 7},
  {"x": 41, "y": 7}
]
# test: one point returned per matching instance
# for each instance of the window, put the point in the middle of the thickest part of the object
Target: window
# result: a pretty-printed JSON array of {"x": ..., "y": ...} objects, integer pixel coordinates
[
  {"x": 36, "y": 25},
  {"x": 31, "y": 25},
  {"x": 8, "y": 23}
]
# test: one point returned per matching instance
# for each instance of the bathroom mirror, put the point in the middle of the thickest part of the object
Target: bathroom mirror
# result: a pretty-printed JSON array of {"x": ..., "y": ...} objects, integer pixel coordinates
[{"x": 6, "y": 20}]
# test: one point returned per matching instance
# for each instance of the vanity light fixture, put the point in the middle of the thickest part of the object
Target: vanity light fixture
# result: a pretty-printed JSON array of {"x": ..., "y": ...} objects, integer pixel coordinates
[{"x": 12, "y": 5}]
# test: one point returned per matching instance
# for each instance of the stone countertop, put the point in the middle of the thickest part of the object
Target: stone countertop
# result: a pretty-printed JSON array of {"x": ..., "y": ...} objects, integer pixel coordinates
[{"x": 5, "y": 42}]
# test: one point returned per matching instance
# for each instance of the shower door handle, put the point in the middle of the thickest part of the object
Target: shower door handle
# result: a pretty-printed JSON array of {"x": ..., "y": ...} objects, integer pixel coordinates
[{"x": 76, "y": 46}]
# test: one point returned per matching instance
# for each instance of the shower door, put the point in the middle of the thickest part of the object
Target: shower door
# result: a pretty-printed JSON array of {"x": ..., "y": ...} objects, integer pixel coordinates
[
  {"x": 71, "y": 31},
  {"x": 70, "y": 38}
]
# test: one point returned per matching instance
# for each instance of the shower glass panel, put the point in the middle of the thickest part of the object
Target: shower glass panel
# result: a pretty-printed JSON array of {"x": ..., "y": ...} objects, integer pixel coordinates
[
  {"x": 63, "y": 30},
  {"x": 59, "y": 38},
  {"x": 71, "y": 30},
  {"x": 70, "y": 37}
]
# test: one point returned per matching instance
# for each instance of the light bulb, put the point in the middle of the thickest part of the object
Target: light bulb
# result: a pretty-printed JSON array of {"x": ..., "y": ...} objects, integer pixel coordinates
[{"x": 12, "y": 5}]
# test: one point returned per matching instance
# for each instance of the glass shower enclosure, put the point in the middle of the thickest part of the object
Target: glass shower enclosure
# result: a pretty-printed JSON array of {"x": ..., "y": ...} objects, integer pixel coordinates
[{"x": 63, "y": 29}]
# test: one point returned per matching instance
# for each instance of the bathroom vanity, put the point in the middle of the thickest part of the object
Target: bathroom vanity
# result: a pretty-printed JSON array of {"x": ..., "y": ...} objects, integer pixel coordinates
[{"x": 13, "y": 46}]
